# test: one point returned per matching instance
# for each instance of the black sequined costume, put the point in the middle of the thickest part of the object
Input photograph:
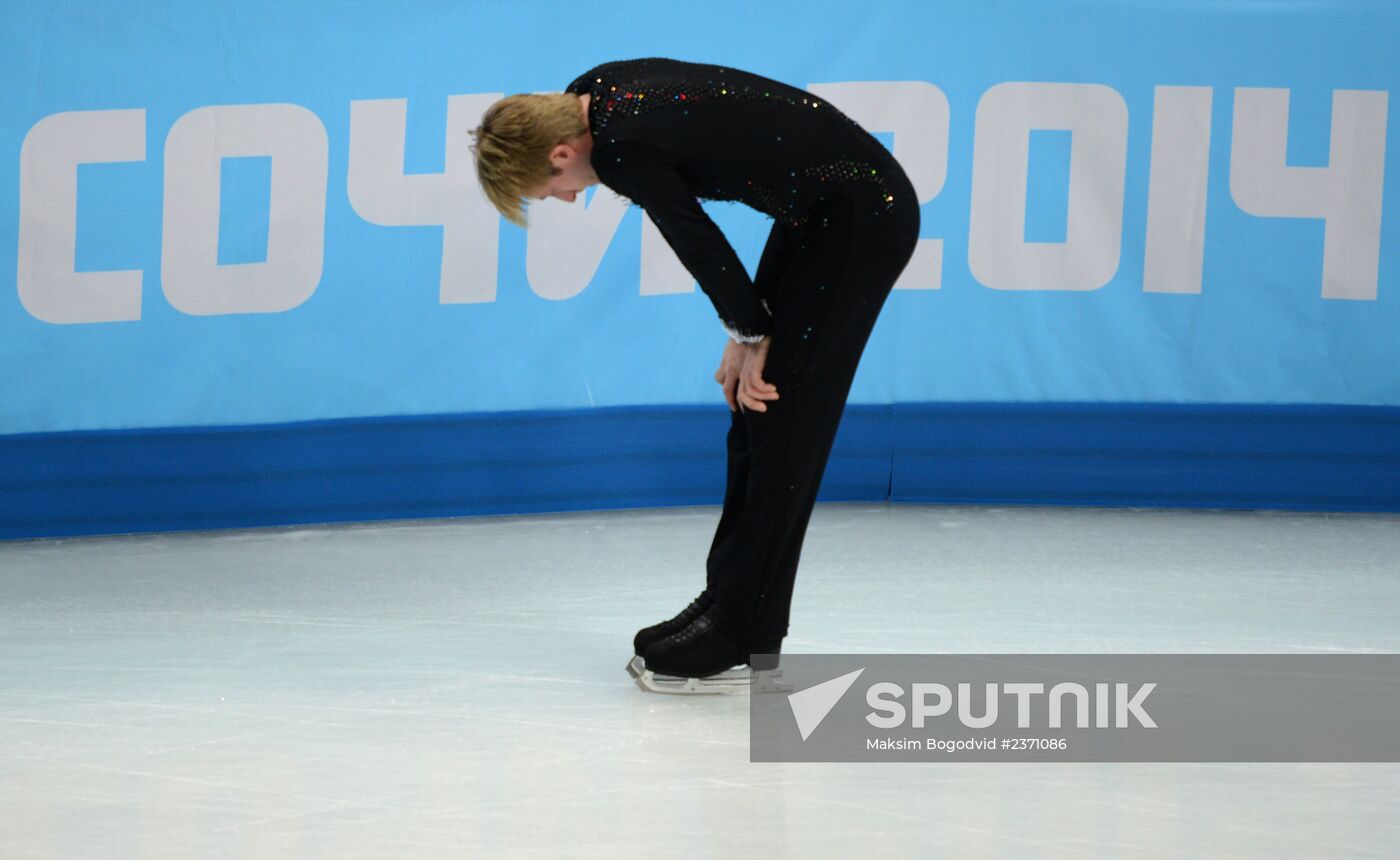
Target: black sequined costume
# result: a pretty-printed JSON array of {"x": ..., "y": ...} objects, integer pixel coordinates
[{"x": 667, "y": 134}]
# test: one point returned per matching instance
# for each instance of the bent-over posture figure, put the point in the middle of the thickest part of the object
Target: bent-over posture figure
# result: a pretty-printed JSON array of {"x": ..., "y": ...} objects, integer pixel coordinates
[{"x": 666, "y": 134}]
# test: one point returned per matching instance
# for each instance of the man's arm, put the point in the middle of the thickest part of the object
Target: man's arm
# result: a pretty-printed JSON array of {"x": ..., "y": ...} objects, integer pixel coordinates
[{"x": 647, "y": 177}]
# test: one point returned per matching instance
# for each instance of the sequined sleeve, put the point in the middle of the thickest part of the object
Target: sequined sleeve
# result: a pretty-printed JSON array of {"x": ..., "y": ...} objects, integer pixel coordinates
[{"x": 648, "y": 177}]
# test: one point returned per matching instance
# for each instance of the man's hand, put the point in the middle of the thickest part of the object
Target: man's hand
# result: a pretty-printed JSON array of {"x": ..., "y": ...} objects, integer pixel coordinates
[{"x": 740, "y": 374}]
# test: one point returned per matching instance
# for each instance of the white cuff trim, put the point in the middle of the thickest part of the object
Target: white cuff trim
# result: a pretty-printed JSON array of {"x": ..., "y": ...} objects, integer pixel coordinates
[{"x": 743, "y": 338}]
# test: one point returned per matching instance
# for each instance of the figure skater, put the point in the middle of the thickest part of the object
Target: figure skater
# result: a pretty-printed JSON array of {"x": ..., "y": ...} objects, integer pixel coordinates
[{"x": 665, "y": 134}]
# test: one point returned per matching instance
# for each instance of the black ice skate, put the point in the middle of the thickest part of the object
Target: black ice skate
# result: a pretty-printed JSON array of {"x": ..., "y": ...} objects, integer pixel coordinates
[
  {"x": 702, "y": 658},
  {"x": 656, "y": 632}
]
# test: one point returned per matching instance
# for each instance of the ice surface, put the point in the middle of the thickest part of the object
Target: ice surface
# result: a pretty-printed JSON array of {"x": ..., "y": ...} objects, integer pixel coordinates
[{"x": 455, "y": 688}]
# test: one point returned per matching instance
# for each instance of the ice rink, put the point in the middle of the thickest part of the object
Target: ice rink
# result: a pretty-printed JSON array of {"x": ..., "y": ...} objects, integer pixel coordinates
[{"x": 455, "y": 688}]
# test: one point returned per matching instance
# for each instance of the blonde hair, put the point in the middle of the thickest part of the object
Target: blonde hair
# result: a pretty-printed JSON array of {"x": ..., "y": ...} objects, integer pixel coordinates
[{"x": 512, "y": 146}]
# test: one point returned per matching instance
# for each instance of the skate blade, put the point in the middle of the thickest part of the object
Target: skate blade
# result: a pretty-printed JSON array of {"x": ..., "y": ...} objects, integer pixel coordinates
[
  {"x": 636, "y": 666},
  {"x": 736, "y": 680}
]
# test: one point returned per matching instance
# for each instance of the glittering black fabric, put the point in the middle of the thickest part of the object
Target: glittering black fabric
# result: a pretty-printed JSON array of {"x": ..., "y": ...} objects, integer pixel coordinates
[{"x": 668, "y": 133}]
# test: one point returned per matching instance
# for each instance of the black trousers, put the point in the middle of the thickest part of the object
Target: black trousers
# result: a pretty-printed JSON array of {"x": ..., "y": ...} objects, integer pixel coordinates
[{"x": 825, "y": 284}]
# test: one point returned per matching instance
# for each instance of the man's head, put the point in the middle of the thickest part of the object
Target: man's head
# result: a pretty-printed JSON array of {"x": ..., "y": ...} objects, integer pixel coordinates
[{"x": 533, "y": 146}]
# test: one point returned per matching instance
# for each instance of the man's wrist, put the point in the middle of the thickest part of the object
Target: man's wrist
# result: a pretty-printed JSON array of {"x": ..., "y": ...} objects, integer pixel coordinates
[{"x": 741, "y": 338}]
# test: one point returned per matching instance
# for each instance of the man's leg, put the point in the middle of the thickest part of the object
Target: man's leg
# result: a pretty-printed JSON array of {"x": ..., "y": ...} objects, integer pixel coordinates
[
  {"x": 753, "y": 564},
  {"x": 826, "y": 305},
  {"x": 737, "y": 445},
  {"x": 783, "y": 243}
]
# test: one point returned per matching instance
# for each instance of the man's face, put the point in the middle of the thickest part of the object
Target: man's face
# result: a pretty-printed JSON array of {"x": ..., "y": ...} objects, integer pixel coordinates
[{"x": 573, "y": 177}]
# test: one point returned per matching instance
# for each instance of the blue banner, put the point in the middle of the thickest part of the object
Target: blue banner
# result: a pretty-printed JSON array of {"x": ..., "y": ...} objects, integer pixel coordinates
[{"x": 253, "y": 213}]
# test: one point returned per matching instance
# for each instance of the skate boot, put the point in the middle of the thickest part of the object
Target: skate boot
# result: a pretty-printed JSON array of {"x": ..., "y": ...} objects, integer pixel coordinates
[
  {"x": 657, "y": 632},
  {"x": 703, "y": 658}
]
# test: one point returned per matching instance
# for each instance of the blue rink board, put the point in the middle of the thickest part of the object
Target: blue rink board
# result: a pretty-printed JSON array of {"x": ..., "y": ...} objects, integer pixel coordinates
[{"x": 1288, "y": 457}]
